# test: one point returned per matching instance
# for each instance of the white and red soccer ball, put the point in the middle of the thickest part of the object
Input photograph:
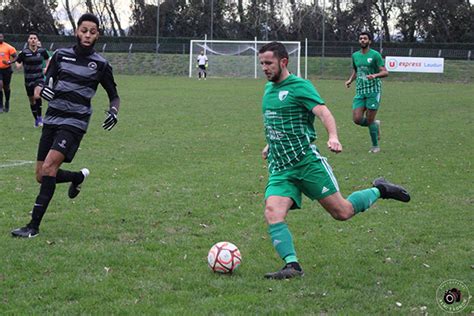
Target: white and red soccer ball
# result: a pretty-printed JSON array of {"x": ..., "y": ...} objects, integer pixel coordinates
[{"x": 224, "y": 257}]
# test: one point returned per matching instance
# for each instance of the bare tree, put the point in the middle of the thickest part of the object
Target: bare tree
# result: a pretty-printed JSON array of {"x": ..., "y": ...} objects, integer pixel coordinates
[
  {"x": 112, "y": 23},
  {"x": 89, "y": 6},
  {"x": 114, "y": 17},
  {"x": 240, "y": 10},
  {"x": 383, "y": 8},
  {"x": 69, "y": 14}
]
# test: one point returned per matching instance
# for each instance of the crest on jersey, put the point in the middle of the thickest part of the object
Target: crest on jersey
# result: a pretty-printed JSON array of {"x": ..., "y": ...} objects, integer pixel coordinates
[
  {"x": 369, "y": 60},
  {"x": 92, "y": 65},
  {"x": 282, "y": 95}
]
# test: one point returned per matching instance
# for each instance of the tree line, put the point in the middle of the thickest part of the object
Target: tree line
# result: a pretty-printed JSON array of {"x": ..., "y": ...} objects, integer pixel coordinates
[{"x": 441, "y": 21}]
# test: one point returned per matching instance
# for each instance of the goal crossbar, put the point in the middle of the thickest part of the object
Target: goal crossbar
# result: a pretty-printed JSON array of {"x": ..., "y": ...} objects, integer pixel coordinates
[{"x": 294, "y": 49}]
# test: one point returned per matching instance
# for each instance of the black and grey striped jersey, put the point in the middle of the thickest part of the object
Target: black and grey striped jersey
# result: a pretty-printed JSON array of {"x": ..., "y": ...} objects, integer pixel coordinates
[
  {"x": 75, "y": 77},
  {"x": 33, "y": 65}
]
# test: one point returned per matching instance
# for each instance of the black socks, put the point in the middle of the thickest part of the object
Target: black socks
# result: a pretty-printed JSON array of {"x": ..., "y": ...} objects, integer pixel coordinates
[
  {"x": 69, "y": 176},
  {"x": 48, "y": 186}
]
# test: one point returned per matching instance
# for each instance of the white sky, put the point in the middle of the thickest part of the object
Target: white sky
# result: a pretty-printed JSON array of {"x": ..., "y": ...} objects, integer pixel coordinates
[
  {"x": 78, "y": 8},
  {"x": 123, "y": 9}
]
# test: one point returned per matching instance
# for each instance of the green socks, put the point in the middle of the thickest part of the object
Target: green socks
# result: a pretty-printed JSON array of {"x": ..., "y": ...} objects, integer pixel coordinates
[
  {"x": 373, "y": 130},
  {"x": 282, "y": 241},
  {"x": 374, "y": 134},
  {"x": 362, "y": 200}
]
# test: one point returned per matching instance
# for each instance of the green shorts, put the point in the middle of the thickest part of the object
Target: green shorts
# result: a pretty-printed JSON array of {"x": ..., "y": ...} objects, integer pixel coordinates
[
  {"x": 312, "y": 176},
  {"x": 370, "y": 101}
]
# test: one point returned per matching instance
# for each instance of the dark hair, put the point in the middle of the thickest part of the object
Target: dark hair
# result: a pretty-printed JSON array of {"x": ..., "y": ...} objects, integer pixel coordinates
[
  {"x": 88, "y": 17},
  {"x": 366, "y": 33},
  {"x": 278, "y": 49},
  {"x": 33, "y": 33}
]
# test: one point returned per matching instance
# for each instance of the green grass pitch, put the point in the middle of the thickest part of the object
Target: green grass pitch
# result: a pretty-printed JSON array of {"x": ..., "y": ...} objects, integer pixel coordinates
[{"x": 182, "y": 170}]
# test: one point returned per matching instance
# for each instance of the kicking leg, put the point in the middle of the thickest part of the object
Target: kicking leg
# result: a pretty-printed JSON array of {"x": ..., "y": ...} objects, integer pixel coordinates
[{"x": 359, "y": 201}]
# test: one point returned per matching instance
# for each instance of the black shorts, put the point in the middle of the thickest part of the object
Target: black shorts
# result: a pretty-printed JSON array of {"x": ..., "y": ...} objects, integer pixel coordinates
[
  {"x": 6, "y": 76},
  {"x": 63, "y": 138},
  {"x": 30, "y": 87},
  {"x": 30, "y": 90},
  {"x": 203, "y": 67}
]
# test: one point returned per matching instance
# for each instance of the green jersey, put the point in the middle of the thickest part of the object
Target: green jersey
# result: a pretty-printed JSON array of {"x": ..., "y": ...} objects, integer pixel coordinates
[
  {"x": 288, "y": 120},
  {"x": 367, "y": 64}
]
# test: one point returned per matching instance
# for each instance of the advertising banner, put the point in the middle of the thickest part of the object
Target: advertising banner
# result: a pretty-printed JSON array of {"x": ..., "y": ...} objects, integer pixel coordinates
[{"x": 414, "y": 64}]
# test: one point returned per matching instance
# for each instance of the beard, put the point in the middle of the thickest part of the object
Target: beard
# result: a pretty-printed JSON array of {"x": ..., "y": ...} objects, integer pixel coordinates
[
  {"x": 365, "y": 45},
  {"x": 276, "y": 77}
]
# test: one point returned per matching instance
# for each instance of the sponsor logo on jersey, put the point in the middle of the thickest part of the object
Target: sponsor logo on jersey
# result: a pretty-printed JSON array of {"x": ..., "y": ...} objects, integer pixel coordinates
[
  {"x": 272, "y": 115},
  {"x": 92, "y": 65},
  {"x": 69, "y": 58},
  {"x": 282, "y": 95}
]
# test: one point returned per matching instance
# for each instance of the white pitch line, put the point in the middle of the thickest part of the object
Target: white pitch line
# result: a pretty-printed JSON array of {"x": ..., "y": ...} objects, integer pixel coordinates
[{"x": 15, "y": 163}]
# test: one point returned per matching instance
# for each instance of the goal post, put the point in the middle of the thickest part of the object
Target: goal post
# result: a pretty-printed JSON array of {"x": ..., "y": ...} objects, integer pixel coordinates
[{"x": 238, "y": 59}]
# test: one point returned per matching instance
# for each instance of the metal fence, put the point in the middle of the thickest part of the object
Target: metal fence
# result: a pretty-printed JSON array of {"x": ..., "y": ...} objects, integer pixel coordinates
[
  {"x": 313, "y": 50},
  {"x": 172, "y": 59}
]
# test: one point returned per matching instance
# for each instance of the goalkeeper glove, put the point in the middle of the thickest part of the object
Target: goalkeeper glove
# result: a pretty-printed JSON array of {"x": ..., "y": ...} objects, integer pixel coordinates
[
  {"x": 110, "y": 120},
  {"x": 47, "y": 93},
  {"x": 207, "y": 65}
]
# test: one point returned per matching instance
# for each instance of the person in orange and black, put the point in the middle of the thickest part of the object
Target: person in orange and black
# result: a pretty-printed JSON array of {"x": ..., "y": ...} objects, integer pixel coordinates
[{"x": 7, "y": 54}]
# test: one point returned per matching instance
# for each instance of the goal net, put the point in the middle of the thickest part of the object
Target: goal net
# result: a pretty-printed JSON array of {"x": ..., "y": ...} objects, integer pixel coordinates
[{"x": 237, "y": 58}]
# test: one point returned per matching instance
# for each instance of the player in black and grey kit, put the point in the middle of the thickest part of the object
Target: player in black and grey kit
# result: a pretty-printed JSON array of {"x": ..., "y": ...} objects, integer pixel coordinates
[
  {"x": 32, "y": 59},
  {"x": 75, "y": 74}
]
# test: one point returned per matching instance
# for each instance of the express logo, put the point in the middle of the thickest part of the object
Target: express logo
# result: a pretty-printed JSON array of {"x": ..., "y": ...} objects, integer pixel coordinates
[
  {"x": 392, "y": 63},
  {"x": 92, "y": 65}
]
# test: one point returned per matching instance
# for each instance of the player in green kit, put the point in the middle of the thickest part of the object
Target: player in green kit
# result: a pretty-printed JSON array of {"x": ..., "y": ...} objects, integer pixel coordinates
[
  {"x": 368, "y": 68},
  {"x": 295, "y": 165}
]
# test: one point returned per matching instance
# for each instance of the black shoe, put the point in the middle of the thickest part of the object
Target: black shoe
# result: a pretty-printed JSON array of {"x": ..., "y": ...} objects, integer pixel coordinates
[
  {"x": 75, "y": 188},
  {"x": 25, "y": 232},
  {"x": 7, "y": 107},
  {"x": 391, "y": 191},
  {"x": 290, "y": 270}
]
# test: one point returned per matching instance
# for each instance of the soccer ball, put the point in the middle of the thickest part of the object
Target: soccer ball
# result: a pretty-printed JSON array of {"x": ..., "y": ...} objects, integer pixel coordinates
[{"x": 224, "y": 257}]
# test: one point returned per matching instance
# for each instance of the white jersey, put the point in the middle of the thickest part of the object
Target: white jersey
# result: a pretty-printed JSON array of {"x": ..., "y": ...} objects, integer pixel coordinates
[{"x": 202, "y": 60}]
